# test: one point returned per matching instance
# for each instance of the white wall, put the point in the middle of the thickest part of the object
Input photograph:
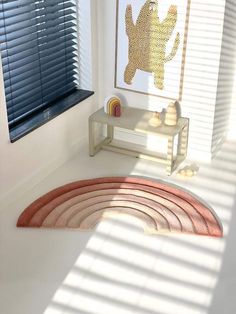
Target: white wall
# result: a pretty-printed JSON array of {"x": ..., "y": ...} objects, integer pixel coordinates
[
  {"x": 32, "y": 158},
  {"x": 201, "y": 70},
  {"x": 232, "y": 125}
]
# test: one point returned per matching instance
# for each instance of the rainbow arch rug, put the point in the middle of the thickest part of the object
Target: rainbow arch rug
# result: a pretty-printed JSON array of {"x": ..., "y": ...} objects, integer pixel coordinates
[{"x": 160, "y": 206}]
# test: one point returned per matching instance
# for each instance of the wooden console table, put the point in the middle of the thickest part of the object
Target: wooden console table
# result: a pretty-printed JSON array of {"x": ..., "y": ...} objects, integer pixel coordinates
[{"x": 137, "y": 120}]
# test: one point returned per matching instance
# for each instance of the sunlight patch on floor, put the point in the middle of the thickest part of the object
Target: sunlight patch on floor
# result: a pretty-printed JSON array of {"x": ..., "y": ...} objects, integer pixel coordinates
[{"x": 122, "y": 270}]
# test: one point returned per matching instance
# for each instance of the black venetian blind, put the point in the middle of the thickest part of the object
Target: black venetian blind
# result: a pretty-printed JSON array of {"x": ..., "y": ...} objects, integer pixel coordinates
[{"x": 38, "y": 42}]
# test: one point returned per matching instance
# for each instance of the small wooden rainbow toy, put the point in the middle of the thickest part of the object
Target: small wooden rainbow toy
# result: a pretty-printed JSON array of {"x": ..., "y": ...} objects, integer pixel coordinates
[{"x": 112, "y": 106}]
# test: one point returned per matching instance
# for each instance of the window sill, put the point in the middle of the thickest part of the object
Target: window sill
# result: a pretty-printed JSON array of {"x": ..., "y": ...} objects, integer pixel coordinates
[{"x": 47, "y": 114}]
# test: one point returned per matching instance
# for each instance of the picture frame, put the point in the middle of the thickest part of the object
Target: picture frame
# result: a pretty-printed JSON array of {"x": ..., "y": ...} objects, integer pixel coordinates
[{"x": 151, "y": 40}]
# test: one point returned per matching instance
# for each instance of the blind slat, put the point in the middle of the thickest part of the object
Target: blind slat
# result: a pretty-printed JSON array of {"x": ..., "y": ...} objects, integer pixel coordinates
[
  {"x": 34, "y": 31},
  {"x": 42, "y": 69},
  {"x": 35, "y": 103},
  {"x": 39, "y": 30},
  {"x": 20, "y": 45},
  {"x": 50, "y": 6},
  {"x": 61, "y": 51},
  {"x": 32, "y": 72},
  {"x": 16, "y": 94},
  {"x": 34, "y": 17},
  {"x": 12, "y": 4},
  {"x": 27, "y": 84},
  {"x": 44, "y": 51},
  {"x": 58, "y": 83},
  {"x": 21, "y": 105}
]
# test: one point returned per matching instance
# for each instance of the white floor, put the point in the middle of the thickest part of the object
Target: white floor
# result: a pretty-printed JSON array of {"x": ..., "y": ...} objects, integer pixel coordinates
[{"x": 117, "y": 269}]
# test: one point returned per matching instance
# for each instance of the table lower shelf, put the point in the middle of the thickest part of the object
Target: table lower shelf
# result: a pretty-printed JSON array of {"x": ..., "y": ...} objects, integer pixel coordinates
[{"x": 137, "y": 151}]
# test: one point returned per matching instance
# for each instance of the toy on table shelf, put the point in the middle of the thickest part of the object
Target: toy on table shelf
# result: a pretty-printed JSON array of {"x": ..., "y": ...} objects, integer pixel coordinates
[
  {"x": 155, "y": 121},
  {"x": 112, "y": 106},
  {"x": 171, "y": 117}
]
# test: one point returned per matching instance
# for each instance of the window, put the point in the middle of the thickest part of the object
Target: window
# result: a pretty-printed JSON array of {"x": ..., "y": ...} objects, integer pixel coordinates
[{"x": 39, "y": 50}]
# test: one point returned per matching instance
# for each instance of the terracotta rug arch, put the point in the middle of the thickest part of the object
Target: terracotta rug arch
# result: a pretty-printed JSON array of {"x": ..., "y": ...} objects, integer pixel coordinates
[{"x": 160, "y": 206}]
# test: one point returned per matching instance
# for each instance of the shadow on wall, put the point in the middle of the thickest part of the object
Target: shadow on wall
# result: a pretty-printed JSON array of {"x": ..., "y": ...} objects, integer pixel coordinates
[
  {"x": 121, "y": 270},
  {"x": 232, "y": 124},
  {"x": 226, "y": 92}
]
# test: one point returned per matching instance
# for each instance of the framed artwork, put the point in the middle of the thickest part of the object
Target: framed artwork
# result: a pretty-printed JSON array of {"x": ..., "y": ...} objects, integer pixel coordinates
[{"x": 150, "y": 46}]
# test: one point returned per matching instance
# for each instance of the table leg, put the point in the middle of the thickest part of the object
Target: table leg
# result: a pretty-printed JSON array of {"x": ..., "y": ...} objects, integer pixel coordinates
[
  {"x": 183, "y": 142},
  {"x": 170, "y": 157},
  {"x": 91, "y": 138},
  {"x": 110, "y": 132}
]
